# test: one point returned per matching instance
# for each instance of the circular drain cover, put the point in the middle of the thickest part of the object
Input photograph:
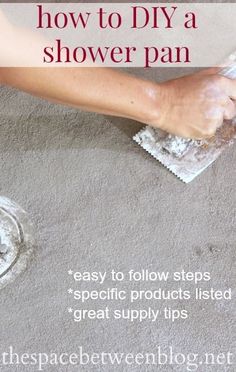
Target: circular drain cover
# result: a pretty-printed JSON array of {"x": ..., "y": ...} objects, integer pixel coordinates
[{"x": 16, "y": 240}]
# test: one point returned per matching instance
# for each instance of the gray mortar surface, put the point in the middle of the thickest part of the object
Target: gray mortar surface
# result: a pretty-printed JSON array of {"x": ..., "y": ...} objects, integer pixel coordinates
[{"x": 99, "y": 202}]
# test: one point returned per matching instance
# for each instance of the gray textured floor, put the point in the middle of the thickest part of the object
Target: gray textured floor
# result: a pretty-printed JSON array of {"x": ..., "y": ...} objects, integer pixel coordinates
[{"x": 98, "y": 202}]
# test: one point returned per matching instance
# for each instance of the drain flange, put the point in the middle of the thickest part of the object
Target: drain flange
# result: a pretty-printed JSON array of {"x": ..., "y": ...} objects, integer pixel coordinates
[{"x": 16, "y": 240}]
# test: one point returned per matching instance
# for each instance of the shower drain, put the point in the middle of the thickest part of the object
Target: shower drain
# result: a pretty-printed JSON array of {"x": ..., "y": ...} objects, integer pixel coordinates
[{"x": 16, "y": 241}]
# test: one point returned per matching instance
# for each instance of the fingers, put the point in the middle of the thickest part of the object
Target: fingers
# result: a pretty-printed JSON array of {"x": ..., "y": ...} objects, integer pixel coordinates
[
  {"x": 227, "y": 112},
  {"x": 201, "y": 102},
  {"x": 227, "y": 84}
]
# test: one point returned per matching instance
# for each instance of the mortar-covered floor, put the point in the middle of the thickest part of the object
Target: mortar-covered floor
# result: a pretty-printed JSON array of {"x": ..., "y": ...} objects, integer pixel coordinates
[{"x": 99, "y": 202}]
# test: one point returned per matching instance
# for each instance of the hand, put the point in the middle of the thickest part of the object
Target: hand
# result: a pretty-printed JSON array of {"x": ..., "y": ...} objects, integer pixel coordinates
[{"x": 195, "y": 106}]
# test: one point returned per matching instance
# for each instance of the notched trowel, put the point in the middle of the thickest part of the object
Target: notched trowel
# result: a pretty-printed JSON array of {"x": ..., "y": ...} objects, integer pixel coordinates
[{"x": 187, "y": 158}]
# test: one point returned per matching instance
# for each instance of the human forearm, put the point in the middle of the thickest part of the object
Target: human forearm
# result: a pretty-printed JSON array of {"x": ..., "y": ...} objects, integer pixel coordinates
[
  {"x": 101, "y": 90},
  {"x": 95, "y": 89},
  {"x": 192, "y": 107}
]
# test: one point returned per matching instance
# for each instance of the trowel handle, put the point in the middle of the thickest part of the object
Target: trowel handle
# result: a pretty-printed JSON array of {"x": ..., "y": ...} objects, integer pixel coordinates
[{"x": 229, "y": 71}]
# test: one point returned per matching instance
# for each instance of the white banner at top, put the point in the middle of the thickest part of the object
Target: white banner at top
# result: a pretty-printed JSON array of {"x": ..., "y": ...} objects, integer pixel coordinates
[{"x": 116, "y": 34}]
